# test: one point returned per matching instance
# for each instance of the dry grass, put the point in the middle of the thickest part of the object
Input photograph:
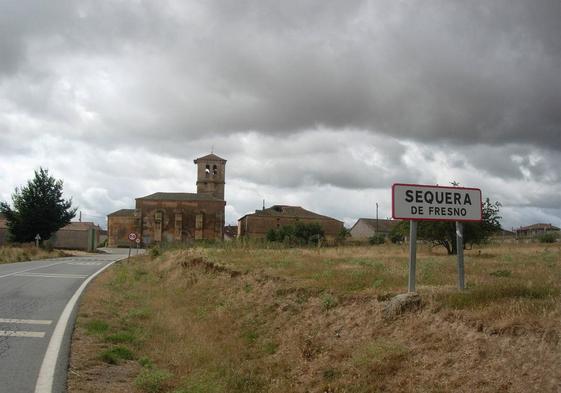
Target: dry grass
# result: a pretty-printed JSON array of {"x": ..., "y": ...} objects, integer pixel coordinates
[
  {"x": 10, "y": 254},
  {"x": 295, "y": 320}
]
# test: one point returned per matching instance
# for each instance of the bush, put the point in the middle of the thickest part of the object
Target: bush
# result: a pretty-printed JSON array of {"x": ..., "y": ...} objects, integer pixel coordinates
[
  {"x": 376, "y": 239},
  {"x": 155, "y": 252},
  {"x": 550, "y": 237}
]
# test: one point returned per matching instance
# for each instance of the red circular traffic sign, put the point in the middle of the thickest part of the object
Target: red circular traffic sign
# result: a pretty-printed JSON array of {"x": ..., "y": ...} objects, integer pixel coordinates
[
  {"x": 132, "y": 236},
  {"x": 137, "y": 240}
]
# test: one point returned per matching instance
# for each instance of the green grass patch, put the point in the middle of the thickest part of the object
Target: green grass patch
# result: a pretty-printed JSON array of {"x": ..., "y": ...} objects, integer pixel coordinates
[
  {"x": 121, "y": 337},
  {"x": 116, "y": 354},
  {"x": 96, "y": 327},
  {"x": 152, "y": 380}
]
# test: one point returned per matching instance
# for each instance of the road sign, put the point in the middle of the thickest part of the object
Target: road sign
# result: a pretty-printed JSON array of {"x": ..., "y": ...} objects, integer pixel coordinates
[
  {"x": 435, "y": 203},
  {"x": 132, "y": 236},
  {"x": 137, "y": 240}
]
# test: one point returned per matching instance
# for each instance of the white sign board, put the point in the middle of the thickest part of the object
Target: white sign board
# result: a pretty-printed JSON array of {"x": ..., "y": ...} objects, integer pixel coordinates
[
  {"x": 132, "y": 236},
  {"x": 435, "y": 203}
]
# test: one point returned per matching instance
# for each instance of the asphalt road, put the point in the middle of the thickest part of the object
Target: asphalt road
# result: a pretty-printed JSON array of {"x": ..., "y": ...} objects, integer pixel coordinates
[{"x": 33, "y": 296}]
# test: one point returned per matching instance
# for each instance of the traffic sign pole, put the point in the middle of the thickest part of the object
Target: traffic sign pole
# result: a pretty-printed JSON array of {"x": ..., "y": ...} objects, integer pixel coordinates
[
  {"x": 412, "y": 254},
  {"x": 460, "y": 252}
]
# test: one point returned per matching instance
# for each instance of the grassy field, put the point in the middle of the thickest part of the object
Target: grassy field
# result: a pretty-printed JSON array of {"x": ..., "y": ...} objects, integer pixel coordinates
[
  {"x": 10, "y": 254},
  {"x": 298, "y": 320}
]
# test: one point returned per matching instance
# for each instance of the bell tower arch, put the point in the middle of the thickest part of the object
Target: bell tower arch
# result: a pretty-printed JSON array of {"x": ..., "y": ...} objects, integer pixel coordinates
[{"x": 211, "y": 175}]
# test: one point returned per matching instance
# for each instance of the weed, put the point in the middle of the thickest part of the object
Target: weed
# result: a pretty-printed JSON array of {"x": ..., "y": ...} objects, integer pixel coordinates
[
  {"x": 155, "y": 252},
  {"x": 145, "y": 361},
  {"x": 328, "y": 301},
  {"x": 152, "y": 380},
  {"x": 270, "y": 347},
  {"x": 501, "y": 273},
  {"x": 204, "y": 382},
  {"x": 121, "y": 337},
  {"x": 381, "y": 356},
  {"x": 139, "y": 313},
  {"x": 96, "y": 327},
  {"x": 116, "y": 354},
  {"x": 330, "y": 374}
]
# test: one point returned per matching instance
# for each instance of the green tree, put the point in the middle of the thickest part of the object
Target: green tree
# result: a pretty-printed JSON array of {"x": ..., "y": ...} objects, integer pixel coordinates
[
  {"x": 443, "y": 233},
  {"x": 38, "y": 208}
]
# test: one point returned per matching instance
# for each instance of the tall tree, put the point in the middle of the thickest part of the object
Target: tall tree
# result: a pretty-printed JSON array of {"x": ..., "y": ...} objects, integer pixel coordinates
[
  {"x": 443, "y": 233},
  {"x": 38, "y": 208}
]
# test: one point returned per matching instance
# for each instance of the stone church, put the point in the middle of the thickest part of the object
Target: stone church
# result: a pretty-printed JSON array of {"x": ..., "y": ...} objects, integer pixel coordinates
[{"x": 176, "y": 216}]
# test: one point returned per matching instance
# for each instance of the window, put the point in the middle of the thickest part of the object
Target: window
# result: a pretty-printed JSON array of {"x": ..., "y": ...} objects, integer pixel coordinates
[
  {"x": 214, "y": 170},
  {"x": 207, "y": 170}
]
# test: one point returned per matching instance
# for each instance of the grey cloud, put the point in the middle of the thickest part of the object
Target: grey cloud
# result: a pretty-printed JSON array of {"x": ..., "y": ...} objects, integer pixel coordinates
[{"x": 477, "y": 72}]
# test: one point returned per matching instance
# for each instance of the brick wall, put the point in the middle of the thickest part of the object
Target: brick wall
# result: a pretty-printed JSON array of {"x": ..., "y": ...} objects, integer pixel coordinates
[{"x": 257, "y": 226}]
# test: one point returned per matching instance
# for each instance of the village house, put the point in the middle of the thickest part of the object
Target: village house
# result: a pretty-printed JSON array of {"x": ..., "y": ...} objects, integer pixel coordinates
[
  {"x": 176, "y": 216},
  {"x": 535, "y": 230},
  {"x": 365, "y": 228},
  {"x": 256, "y": 225},
  {"x": 75, "y": 236}
]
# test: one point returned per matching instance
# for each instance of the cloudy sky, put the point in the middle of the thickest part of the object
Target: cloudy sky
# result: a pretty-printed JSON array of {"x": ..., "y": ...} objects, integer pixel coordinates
[{"x": 322, "y": 104}]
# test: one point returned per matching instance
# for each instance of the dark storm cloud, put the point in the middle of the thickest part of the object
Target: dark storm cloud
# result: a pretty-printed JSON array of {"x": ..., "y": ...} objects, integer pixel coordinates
[
  {"x": 321, "y": 95},
  {"x": 473, "y": 72}
]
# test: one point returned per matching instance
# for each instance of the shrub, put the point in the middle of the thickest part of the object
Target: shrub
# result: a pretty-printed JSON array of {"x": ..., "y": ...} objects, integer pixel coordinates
[
  {"x": 549, "y": 237},
  {"x": 155, "y": 252},
  {"x": 376, "y": 239}
]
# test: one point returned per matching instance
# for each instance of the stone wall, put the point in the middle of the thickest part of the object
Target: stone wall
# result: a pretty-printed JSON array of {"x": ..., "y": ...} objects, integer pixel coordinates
[
  {"x": 118, "y": 229},
  {"x": 180, "y": 221}
]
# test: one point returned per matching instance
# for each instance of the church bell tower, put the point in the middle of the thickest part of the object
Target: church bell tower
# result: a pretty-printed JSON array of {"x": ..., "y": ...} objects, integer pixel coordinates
[{"x": 211, "y": 174}]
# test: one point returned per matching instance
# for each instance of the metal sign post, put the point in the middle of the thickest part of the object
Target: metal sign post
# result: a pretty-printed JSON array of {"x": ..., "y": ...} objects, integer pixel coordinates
[
  {"x": 460, "y": 252},
  {"x": 417, "y": 202},
  {"x": 132, "y": 238},
  {"x": 412, "y": 254},
  {"x": 37, "y": 239}
]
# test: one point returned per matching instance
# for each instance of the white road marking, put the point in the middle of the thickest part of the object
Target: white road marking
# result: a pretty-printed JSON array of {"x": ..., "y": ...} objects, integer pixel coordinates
[
  {"x": 13, "y": 333},
  {"x": 85, "y": 263},
  {"x": 47, "y": 372},
  {"x": 33, "y": 268},
  {"x": 51, "y": 275},
  {"x": 26, "y": 321}
]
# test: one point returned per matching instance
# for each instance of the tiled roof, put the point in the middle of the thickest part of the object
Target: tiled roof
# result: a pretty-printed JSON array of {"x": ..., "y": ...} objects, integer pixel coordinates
[
  {"x": 383, "y": 225},
  {"x": 179, "y": 196},
  {"x": 539, "y": 226},
  {"x": 79, "y": 226},
  {"x": 122, "y": 213},
  {"x": 289, "y": 212},
  {"x": 210, "y": 157}
]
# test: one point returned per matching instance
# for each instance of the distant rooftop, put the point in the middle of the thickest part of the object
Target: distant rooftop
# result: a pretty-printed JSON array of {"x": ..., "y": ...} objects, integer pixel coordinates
[
  {"x": 80, "y": 226},
  {"x": 538, "y": 226},
  {"x": 179, "y": 196},
  {"x": 383, "y": 224},
  {"x": 122, "y": 213},
  {"x": 288, "y": 212}
]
